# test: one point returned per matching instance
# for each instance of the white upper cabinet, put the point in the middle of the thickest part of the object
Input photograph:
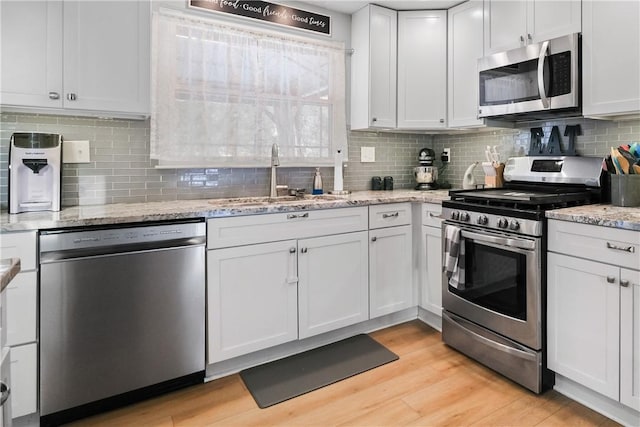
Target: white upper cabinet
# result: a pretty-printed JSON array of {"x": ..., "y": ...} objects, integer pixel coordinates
[
  {"x": 374, "y": 32},
  {"x": 422, "y": 69},
  {"x": 611, "y": 58},
  {"x": 465, "y": 47},
  {"x": 31, "y": 55},
  {"x": 77, "y": 56},
  {"x": 511, "y": 24}
]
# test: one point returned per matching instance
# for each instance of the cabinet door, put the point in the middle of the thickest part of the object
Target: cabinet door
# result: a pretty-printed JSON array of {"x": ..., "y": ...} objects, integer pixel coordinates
[
  {"x": 583, "y": 315},
  {"x": 630, "y": 339},
  {"x": 548, "y": 19},
  {"x": 383, "y": 34},
  {"x": 390, "y": 278},
  {"x": 31, "y": 53},
  {"x": 334, "y": 283},
  {"x": 252, "y": 298},
  {"x": 24, "y": 380},
  {"x": 505, "y": 23},
  {"x": 465, "y": 47},
  {"x": 610, "y": 60},
  {"x": 21, "y": 308},
  {"x": 431, "y": 286},
  {"x": 422, "y": 69},
  {"x": 107, "y": 55}
]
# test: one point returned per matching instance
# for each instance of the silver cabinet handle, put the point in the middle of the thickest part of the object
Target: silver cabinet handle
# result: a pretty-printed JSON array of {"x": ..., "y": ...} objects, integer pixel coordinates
[
  {"x": 292, "y": 250},
  {"x": 629, "y": 249},
  {"x": 393, "y": 215},
  {"x": 54, "y": 95},
  {"x": 303, "y": 250},
  {"x": 71, "y": 96},
  {"x": 624, "y": 283},
  {"x": 4, "y": 393},
  {"x": 374, "y": 238},
  {"x": 611, "y": 279},
  {"x": 521, "y": 39},
  {"x": 432, "y": 215},
  {"x": 529, "y": 37},
  {"x": 441, "y": 120},
  {"x": 374, "y": 119},
  {"x": 293, "y": 216}
]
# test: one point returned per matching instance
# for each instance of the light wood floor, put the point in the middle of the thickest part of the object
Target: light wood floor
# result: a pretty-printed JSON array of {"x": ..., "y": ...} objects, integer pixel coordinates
[{"x": 430, "y": 385}]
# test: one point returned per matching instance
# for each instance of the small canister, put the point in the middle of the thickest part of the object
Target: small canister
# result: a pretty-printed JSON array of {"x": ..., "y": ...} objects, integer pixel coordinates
[
  {"x": 388, "y": 183},
  {"x": 376, "y": 183}
]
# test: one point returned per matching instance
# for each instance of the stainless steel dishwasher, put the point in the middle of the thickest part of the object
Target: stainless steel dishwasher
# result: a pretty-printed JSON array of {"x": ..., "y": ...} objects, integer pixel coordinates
[{"x": 122, "y": 315}]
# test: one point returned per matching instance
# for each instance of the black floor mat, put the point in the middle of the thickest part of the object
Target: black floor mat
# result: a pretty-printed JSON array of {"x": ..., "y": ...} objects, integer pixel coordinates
[{"x": 283, "y": 379}]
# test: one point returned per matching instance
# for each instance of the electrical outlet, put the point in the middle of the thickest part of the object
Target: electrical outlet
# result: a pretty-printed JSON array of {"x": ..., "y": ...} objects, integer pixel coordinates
[
  {"x": 447, "y": 153},
  {"x": 367, "y": 154},
  {"x": 75, "y": 152}
]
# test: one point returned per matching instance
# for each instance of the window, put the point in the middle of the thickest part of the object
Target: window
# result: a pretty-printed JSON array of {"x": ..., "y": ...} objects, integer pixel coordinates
[{"x": 222, "y": 94}]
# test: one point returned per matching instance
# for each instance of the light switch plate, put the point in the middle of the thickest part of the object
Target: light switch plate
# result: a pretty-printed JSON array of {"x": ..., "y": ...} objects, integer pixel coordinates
[
  {"x": 75, "y": 152},
  {"x": 367, "y": 154}
]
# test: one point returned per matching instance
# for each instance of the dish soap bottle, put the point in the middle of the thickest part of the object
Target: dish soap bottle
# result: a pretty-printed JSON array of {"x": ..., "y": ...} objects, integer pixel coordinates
[{"x": 317, "y": 183}]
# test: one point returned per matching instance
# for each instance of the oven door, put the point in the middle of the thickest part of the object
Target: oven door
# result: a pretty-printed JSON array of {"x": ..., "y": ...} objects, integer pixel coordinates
[{"x": 502, "y": 289}]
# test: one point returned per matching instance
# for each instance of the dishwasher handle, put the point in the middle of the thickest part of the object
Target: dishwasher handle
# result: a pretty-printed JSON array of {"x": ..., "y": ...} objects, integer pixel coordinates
[{"x": 53, "y": 256}]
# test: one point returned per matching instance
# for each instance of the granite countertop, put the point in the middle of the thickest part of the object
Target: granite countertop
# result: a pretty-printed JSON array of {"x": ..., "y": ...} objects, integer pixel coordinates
[
  {"x": 120, "y": 213},
  {"x": 603, "y": 215},
  {"x": 9, "y": 267}
]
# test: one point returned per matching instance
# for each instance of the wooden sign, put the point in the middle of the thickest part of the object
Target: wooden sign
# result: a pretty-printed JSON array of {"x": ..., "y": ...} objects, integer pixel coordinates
[{"x": 269, "y": 12}]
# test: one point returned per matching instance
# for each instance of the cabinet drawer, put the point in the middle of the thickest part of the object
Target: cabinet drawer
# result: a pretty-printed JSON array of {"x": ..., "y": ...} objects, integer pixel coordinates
[
  {"x": 21, "y": 308},
  {"x": 20, "y": 245},
  {"x": 24, "y": 380},
  {"x": 381, "y": 216},
  {"x": 605, "y": 244},
  {"x": 431, "y": 214},
  {"x": 247, "y": 230}
]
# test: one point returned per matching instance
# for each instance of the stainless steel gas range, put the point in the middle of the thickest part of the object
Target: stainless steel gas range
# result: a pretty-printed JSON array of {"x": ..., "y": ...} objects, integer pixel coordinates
[{"x": 494, "y": 263}]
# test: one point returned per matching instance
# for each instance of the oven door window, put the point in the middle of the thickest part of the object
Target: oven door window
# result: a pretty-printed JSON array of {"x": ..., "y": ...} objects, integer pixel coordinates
[{"x": 495, "y": 279}]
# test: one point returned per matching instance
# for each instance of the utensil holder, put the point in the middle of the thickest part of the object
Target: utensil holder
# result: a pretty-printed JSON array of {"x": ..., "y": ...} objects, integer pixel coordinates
[
  {"x": 625, "y": 190},
  {"x": 496, "y": 180}
]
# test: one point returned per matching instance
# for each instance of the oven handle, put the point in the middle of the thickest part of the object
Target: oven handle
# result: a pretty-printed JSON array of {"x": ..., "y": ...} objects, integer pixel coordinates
[
  {"x": 541, "y": 88},
  {"x": 502, "y": 241}
]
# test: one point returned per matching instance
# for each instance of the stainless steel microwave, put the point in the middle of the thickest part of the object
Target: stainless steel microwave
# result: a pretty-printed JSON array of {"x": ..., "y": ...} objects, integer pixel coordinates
[{"x": 540, "y": 80}]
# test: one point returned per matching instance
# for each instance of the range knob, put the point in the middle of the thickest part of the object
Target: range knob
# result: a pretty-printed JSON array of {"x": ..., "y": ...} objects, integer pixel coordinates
[
  {"x": 503, "y": 223},
  {"x": 483, "y": 220},
  {"x": 514, "y": 225},
  {"x": 455, "y": 215},
  {"x": 464, "y": 216}
]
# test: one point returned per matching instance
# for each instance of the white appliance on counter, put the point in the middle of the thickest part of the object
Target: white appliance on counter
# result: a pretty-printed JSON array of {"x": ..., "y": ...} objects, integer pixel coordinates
[{"x": 35, "y": 171}]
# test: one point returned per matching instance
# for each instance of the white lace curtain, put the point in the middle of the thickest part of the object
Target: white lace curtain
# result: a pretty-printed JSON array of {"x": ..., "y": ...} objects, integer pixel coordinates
[{"x": 223, "y": 94}]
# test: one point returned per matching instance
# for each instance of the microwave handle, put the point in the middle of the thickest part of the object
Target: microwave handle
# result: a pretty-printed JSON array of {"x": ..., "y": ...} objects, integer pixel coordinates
[{"x": 541, "y": 88}]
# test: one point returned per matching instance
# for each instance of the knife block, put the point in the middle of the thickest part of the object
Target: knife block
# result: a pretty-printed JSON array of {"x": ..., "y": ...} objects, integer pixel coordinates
[{"x": 497, "y": 180}]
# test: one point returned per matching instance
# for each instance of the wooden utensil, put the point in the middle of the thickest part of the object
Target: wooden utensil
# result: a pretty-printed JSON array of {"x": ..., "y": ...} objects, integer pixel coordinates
[{"x": 614, "y": 158}]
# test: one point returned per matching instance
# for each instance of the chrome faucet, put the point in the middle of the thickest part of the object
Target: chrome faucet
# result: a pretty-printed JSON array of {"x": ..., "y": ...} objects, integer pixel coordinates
[{"x": 275, "y": 162}]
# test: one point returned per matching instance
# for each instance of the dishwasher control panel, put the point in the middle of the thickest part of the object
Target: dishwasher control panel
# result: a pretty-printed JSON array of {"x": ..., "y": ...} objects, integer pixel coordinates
[{"x": 62, "y": 240}]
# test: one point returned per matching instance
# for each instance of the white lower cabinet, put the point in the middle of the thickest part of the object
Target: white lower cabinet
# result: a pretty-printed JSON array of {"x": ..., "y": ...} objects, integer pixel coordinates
[
  {"x": 630, "y": 339},
  {"x": 313, "y": 280},
  {"x": 583, "y": 311},
  {"x": 593, "y": 308},
  {"x": 253, "y": 298},
  {"x": 430, "y": 259},
  {"x": 333, "y": 282},
  {"x": 21, "y": 321},
  {"x": 390, "y": 278},
  {"x": 24, "y": 380}
]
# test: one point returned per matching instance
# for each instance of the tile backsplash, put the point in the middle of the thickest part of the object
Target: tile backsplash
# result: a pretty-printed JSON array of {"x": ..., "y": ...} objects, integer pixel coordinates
[{"x": 120, "y": 169}]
